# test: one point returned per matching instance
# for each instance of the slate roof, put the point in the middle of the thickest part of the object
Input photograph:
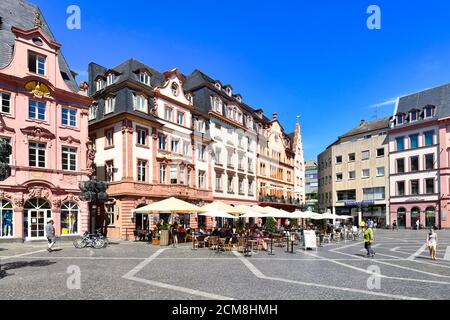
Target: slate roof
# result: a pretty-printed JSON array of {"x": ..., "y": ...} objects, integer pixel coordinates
[
  {"x": 438, "y": 97},
  {"x": 21, "y": 14},
  {"x": 124, "y": 97},
  {"x": 368, "y": 127},
  {"x": 203, "y": 86}
]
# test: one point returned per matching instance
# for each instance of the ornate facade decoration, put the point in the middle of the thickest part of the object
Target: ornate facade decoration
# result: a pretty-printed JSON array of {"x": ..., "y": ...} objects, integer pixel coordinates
[
  {"x": 38, "y": 132},
  {"x": 39, "y": 90},
  {"x": 70, "y": 140},
  {"x": 38, "y": 192}
]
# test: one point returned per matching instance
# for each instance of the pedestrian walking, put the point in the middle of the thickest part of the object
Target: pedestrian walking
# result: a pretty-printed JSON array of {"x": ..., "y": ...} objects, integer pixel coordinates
[
  {"x": 174, "y": 232},
  {"x": 431, "y": 242},
  {"x": 394, "y": 225},
  {"x": 50, "y": 233},
  {"x": 417, "y": 225},
  {"x": 368, "y": 240}
]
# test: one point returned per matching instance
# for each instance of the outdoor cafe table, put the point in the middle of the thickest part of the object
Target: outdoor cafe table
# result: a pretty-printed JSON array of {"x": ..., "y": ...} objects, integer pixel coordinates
[{"x": 290, "y": 239}]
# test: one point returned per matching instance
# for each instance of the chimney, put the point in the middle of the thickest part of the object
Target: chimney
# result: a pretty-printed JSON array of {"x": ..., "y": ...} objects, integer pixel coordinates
[
  {"x": 363, "y": 122},
  {"x": 275, "y": 116}
]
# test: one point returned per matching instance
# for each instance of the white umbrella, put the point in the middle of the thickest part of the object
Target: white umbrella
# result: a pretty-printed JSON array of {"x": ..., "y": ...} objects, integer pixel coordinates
[
  {"x": 254, "y": 214},
  {"x": 222, "y": 207},
  {"x": 344, "y": 217},
  {"x": 219, "y": 214},
  {"x": 170, "y": 205}
]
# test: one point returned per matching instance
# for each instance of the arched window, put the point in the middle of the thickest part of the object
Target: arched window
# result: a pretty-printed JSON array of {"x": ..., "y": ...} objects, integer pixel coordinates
[
  {"x": 430, "y": 217},
  {"x": 415, "y": 215},
  {"x": 69, "y": 218},
  {"x": 401, "y": 217},
  {"x": 175, "y": 89},
  {"x": 6, "y": 219}
]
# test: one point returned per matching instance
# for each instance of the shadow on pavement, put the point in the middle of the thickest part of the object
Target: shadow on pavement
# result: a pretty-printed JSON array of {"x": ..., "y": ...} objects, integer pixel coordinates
[{"x": 22, "y": 264}]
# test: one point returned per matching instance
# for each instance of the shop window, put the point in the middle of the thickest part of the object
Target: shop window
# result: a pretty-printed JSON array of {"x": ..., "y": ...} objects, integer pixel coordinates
[{"x": 69, "y": 218}]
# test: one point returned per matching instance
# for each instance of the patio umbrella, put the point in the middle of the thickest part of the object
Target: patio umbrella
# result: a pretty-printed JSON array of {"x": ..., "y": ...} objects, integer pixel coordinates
[
  {"x": 278, "y": 213},
  {"x": 170, "y": 205},
  {"x": 219, "y": 214},
  {"x": 222, "y": 207},
  {"x": 254, "y": 214},
  {"x": 245, "y": 209},
  {"x": 344, "y": 217}
]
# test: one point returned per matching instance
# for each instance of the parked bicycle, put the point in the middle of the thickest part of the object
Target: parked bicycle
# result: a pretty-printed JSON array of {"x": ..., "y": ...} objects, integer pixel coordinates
[
  {"x": 100, "y": 235},
  {"x": 89, "y": 240}
]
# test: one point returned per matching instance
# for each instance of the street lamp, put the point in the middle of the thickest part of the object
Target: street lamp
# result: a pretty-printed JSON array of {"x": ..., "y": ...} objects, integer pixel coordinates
[{"x": 93, "y": 192}]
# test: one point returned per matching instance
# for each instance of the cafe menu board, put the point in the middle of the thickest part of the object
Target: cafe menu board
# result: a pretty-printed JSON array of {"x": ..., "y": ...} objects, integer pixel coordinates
[{"x": 309, "y": 239}]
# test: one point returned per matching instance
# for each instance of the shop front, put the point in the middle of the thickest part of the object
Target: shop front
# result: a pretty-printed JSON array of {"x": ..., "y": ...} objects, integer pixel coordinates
[{"x": 407, "y": 214}]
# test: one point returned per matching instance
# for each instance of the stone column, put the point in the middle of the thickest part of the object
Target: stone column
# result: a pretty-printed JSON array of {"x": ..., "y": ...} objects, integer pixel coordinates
[{"x": 18, "y": 225}]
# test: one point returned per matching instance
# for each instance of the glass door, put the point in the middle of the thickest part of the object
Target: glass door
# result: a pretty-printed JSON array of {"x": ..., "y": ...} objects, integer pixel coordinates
[{"x": 37, "y": 220}]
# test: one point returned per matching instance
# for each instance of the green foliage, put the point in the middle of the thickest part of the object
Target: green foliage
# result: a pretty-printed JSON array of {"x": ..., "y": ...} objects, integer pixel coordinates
[
  {"x": 271, "y": 225},
  {"x": 165, "y": 226},
  {"x": 293, "y": 223}
]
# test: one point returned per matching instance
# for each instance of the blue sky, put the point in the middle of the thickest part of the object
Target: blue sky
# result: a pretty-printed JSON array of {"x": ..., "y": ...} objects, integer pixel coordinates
[{"x": 313, "y": 58}]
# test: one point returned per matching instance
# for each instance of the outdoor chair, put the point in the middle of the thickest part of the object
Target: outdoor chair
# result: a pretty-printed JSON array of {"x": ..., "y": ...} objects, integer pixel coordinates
[
  {"x": 326, "y": 238},
  {"x": 227, "y": 245},
  {"x": 241, "y": 245}
]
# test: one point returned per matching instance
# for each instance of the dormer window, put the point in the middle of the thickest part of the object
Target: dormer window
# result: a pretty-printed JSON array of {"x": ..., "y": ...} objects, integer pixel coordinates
[
  {"x": 189, "y": 97},
  {"x": 414, "y": 116},
  {"x": 239, "y": 98},
  {"x": 110, "y": 79},
  {"x": 144, "y": 78},
  {"x": 400, "y": 119},
  {"x": 99, "y": 84},
  {"x": 218, "y": 86},
  {"x": 175, "y": 89},
  {"x": 228, "y": 90},
  {"x": 428, "y": 112},
  {"x": 140, "y": 102},
  {"x": 93, "y": 112},
  {"x": 110, "y": 104},
  {"x": 37, "y": 63}
]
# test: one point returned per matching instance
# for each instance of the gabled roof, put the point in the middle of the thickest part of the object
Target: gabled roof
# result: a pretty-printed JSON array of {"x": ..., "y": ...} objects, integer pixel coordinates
[
  {"x": 20, "y": 14},
  {"x": 367, "y": 127}
]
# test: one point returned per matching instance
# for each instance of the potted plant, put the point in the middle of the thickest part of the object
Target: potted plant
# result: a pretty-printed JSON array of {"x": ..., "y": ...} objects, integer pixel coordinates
[{"x": 164, "y": 240}]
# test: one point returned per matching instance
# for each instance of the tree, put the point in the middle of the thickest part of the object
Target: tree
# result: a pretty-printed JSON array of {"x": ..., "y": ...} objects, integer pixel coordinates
[
  {"x": 5, "y": 153},
  {"x": 271, "y": 225}
]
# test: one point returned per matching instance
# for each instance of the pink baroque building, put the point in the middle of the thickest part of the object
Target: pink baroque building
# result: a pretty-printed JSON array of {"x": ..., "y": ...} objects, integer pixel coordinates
[
  {"x": 415, "y": 143},
  {"x": 44, "y": 116}
]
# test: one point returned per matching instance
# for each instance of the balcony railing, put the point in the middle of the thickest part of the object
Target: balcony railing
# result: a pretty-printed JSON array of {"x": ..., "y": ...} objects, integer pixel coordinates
[{"x": 282, "y": 200}]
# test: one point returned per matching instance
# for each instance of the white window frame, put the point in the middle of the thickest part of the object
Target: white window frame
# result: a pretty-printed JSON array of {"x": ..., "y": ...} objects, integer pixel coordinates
[
  {"x": 378, "y": 171},
  {"x": 364, "y": 175},
  {"x": 69, "y": 117},
  {"x": 142, "y": 170},
  {"x": 2, "y": 95},
  {"x": 144, "y": 78},
  {"x": 36, "y": 147},
  {"x": 37, "y": 61},
  {"x": 72, "y": 158},
  {"x": 140, "y": 103},
  {"x": 93, "y": 112},
  {"x": 36, "y": 109},
  {"x": 110, "y": 79},
  {"x": 110, "y": 105}
]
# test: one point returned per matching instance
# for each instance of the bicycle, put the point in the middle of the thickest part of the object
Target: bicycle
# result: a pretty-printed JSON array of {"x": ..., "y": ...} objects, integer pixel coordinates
[
  {"x": 89, "y": 240},
  {"x": 100, "y": 235}
]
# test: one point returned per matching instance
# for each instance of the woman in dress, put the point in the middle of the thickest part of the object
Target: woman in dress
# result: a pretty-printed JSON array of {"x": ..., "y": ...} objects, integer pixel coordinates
[{"x": 432, "y": 243}]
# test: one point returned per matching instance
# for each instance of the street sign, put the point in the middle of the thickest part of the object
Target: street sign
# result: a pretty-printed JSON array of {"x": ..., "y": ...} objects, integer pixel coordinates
[{"x": 309, "y": 239}]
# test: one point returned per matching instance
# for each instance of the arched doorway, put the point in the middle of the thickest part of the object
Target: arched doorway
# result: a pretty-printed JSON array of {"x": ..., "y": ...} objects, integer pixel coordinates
[
  {"x": 6, "y": 219},
  {"x": 37, "y": 214},
  {"x": 401, "y": 218},
  {"x": 69, "y": 218},
  {"x": 430, "y": 217},
  {"x": 415, "y": 215}
]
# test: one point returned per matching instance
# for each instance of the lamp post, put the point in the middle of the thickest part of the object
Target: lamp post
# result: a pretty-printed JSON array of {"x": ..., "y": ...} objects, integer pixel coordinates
[{"x": 93, "y": 192}]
